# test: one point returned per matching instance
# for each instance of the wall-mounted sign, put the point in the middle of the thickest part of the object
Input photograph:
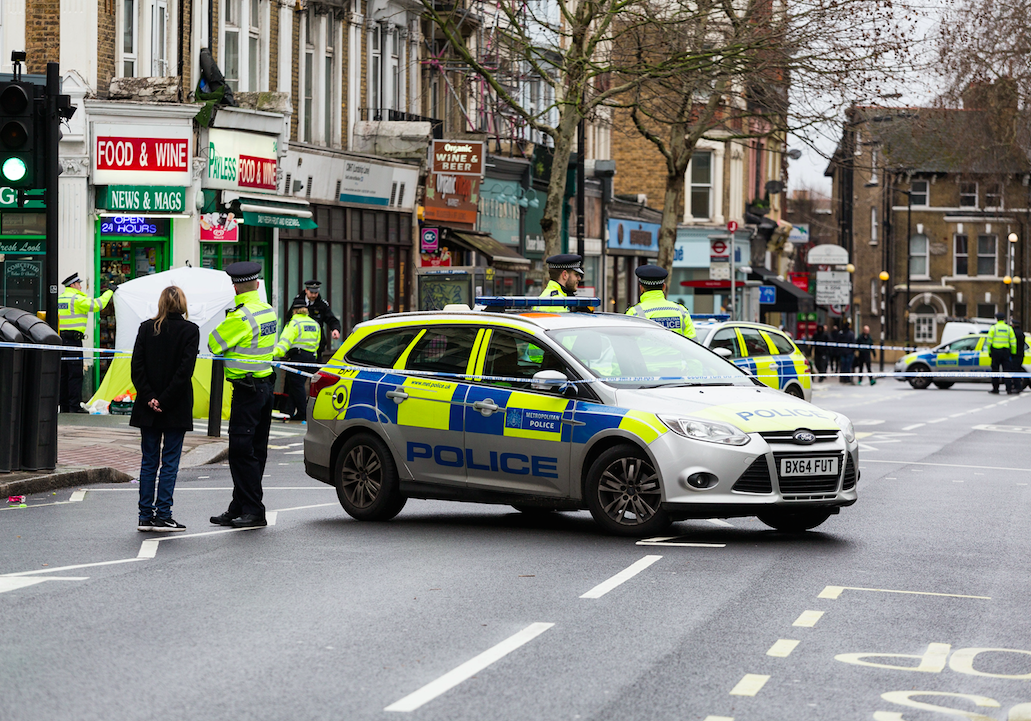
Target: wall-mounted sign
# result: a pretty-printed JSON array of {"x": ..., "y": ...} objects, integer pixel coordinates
[
  {"x": 23, "y": 247},
  {"x": 219, "y": 227},
  {"x": 827, "y": 255},
  {"x": 631, "y": 237},
  {"x": 241, "y": 161},
  {"x": 133, "y": 225},
  {"x": 141, "y": 198},
  {"x": 436, "y": 260},
  {"x": 430, "y": 239},
  {"x": 799, "y": 234},
  {"x": 799, "y": 280},
  {"x": 452, "y": 199},
  {"x": 9, "y": 199},
  {"x": 141, "y": 154},
  {"x": 833, "y": 288},
  {"x": 457, "y": 157}
]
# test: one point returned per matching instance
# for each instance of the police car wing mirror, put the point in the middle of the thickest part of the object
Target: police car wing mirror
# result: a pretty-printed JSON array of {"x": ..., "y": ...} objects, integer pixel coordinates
[
  {"x": 549, "y": 381},
  {"x": 723, "y": 353}
]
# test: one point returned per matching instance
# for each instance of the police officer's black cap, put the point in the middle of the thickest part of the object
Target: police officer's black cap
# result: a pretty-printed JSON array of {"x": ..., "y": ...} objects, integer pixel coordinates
[
  {"x": 243, "y": 271},
  {"x": 998, "y": 316},
  {"x": 298, "y": 303},
  {"x": 565, "y": 261},
  {"x": 313, "y": 284},
  {"x": 73, "y": 278},
  {"x": 651, "y": 275}
]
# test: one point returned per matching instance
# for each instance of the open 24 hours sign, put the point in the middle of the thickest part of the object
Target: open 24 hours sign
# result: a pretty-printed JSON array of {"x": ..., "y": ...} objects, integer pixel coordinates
[{"x": 241, "y": 161}]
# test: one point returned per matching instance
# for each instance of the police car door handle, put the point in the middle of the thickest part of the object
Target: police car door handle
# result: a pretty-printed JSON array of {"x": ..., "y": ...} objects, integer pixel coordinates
[
  {"x": 486, "y": 407},
  {"x": 397, "y": 396},
  {"x": 571, "y": 422}
]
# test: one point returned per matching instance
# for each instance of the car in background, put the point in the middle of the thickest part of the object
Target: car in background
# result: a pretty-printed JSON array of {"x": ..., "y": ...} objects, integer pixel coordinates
[
  {"x": 962, "y": 356},
  {"x": 766, "y": 352}
]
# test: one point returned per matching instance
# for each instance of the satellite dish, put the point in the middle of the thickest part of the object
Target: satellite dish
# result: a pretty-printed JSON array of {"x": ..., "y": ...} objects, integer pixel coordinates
[{"x": 773, "y": 187}]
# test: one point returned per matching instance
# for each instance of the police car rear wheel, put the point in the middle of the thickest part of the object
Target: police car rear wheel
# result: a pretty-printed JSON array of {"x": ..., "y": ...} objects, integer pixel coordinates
[
  {"x": 919, "y": 383},
  {"x": 795, "y": 391},
  {"x": 367, "y": 484},
  {"x": 624, "y": 493},
  {"x": 794, "y": 521}
]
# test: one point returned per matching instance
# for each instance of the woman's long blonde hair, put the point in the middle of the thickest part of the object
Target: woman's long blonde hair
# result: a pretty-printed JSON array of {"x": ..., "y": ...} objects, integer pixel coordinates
[{"x": 172, "y": 300}]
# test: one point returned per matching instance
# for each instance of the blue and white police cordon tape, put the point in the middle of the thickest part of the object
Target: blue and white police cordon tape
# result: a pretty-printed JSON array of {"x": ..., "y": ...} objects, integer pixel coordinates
[{"x": 857, "y": 346}]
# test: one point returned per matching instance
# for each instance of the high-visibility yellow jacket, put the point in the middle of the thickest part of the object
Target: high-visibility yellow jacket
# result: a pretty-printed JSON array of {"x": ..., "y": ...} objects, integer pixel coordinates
[
  {"x": 668, "y": 314},
  {"x": 302, "y": 332},
  {"x": 1001, "y": 335},
  {"x": 553, "y": 290},
  {"x": 73, "y": 307},
  {"x": 246, "y": 337}
]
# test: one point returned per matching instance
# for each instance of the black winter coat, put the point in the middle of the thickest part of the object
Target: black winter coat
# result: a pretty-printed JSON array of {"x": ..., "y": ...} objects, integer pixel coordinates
[
  {"x": 162, "y": 368},
  {"x": 321, "y": 313}
]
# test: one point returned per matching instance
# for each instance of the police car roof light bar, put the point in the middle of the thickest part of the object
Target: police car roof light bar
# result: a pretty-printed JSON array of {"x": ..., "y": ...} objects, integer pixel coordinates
[
  {"x": 718, "y": 317},
  {"x": 499, "y": 303}
]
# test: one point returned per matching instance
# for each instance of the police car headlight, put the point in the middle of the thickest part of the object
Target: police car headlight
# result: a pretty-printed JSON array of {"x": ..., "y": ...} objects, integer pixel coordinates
[
  {"x": 706, "y": 431},
  {"x": 846, "y": 427}
]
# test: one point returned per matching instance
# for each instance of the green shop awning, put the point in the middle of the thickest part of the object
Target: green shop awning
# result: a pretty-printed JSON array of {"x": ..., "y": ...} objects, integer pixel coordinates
[{"x": 275, "y": 211}]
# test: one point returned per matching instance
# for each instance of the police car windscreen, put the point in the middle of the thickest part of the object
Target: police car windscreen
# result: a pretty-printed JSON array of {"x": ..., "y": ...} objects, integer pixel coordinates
[{"x": 647, "y": 358}]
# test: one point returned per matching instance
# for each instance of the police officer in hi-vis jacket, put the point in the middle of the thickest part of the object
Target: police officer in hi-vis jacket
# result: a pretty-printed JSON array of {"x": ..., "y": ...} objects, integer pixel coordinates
[{"x": 654, "y": 306}]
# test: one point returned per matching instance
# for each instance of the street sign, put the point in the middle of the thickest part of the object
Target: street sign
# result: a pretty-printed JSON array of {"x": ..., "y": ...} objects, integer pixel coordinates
[
  {"x": 732, "y": 226},
  {"x": 827, "y": 255},
  {"x": 711, "y": 283},
  {"x": 767, "y": 294},
  {"x": 719, "y": 248},
  {"x": 833, "y": 288}
]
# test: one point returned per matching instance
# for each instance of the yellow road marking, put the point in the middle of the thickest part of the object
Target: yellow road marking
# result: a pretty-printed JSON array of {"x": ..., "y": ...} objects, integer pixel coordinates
[
  {"x": 808, "y": 619},
  {"x": 749, "y": 685},
  {"x": 783, "y": 648},
  {"x": 836, "y": 591}
]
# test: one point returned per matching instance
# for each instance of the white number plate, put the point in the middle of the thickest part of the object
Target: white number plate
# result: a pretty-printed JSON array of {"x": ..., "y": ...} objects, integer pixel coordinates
[{"x": 809, "y": 466}]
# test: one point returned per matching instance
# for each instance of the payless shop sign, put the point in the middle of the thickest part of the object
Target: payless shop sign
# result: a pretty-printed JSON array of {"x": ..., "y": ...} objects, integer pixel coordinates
[
  {"x": 241, "y": 161},
  {"x": 141, "y": 155}
]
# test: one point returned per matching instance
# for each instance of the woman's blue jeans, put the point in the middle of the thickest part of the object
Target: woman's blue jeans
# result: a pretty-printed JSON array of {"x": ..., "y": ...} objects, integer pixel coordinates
[{"x": 156, "y": 491}]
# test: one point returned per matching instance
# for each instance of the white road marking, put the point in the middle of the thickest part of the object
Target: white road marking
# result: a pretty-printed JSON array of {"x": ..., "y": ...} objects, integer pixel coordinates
[
  {"x": 623, "y": 576},
  {"x": 468, "y": 669},
  {"x": 77, "y": 496},
  {"x": 301, "y": 508},
  {"x": 1001, "y": 429},
  {"x": 783, "y": 648},
  {"x": 293, "y": 453},
  {"x": 203, "y": 478},
  {"x": 720, "y": 522},
  {"x": 808, "y": 619},
  {"x": 681, "y": 545},
  {"x": 957, "y": 481},
  {"x": 868, "y": 422},
  {"x": 945, "y": 465},
  {"x": 210, "y": 488},
  {"x": 291, "y": 445},
  {"x": 13, "y": 584},
  {"x": 834, "y": 592},
  {"x": 938, "y": 420},
  {"x": 749, "y": 685},
  {"x": 915, "y": 425},
  {"x": 68, "y": 568}
]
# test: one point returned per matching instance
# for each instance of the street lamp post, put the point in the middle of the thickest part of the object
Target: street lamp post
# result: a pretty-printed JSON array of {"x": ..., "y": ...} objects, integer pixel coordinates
[
  {"x": 909, "y": 255},
  {"x": 884, "y": 279},
  {"x": 1013, "y": 238}
]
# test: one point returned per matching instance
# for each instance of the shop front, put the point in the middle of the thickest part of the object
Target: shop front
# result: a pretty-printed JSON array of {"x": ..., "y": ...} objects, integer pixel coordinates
[
  {"x": 22, "y": 252},
  {"x": 631, "y": 242},
  {"x": 692, "y": 263},
  {"x": 360, "y": 245}
]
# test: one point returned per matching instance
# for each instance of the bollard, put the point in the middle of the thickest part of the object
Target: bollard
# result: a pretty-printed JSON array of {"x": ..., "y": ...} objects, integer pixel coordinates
[{"x": 11, "y": 365}]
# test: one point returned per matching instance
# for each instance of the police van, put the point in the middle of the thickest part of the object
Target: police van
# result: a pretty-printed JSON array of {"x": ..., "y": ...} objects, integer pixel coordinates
[
  {"x": 568, "y": 411},
  {"x": 762, "y": 350}
]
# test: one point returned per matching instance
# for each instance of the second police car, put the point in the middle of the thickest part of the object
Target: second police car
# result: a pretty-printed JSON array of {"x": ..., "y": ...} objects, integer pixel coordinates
[
  {"x": 549, "y": 411},
  {"x": 762, "y": 350},
  {"x": 963, "y": 356}
]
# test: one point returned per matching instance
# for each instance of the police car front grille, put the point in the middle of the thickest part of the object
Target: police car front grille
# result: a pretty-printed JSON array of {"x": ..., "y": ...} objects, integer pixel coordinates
[
  {"x": 850, "y": 474},
  {"x": 806, "y": 488},
  {"x": 788, "y": 436},
  {"x": 756, "y": 479}
]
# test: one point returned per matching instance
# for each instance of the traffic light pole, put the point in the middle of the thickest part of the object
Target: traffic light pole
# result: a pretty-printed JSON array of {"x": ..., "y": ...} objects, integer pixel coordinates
[{"x": 52, "y": 123}]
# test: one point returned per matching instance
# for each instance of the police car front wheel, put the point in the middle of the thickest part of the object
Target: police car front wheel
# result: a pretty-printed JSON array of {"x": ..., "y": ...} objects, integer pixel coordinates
[
  {"x": 624, "y": 494},
  {"x": 918, "y": 382},
  {"x": 366, "y": 479}
]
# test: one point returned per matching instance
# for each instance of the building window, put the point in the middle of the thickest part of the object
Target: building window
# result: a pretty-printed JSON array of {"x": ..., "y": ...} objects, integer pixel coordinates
[
  {"x": 254, "y": 46},
  {"x": 993, "y": 195},
  {"x": 924, "y": 324},
  {"x": 918, "y": 193},
  {"x": 986, "y": 310},
  {"x": 329, "y": 98},
  {"x": 159, "y": 38},
  {"x": 918, "y": 256},
  {"x": 959, "y": 310},
  {"x": 309, "y": 78},
  {"x": 873, "y": 296},
  {"x": 231, "y": 41},
  {"x": 129, "y": 39},
  {"x": 968, "y": 195},
  {"x": 397, "y": 80},
  {"x": 961, "y": 255},
  {"x": 701, "y": 186},
  {"x": 376, "y": 71},
  {"x": 873, "y": 226},
  {"x": 874, "y": 158},
  {"x": 986, "y": 254}
]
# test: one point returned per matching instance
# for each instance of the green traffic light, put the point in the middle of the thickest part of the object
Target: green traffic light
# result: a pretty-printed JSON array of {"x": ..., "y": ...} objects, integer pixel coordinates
[{"x": 13, "y": 169}]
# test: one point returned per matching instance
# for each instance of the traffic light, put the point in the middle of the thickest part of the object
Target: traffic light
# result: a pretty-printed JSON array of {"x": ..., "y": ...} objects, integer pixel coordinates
[{"x": 18, "y": 136}]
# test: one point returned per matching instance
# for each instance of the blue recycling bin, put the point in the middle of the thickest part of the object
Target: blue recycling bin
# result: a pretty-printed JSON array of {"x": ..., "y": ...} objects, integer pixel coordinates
[
  {"x": 41, "y": 387},
  {"x": 11, "y": 367}
]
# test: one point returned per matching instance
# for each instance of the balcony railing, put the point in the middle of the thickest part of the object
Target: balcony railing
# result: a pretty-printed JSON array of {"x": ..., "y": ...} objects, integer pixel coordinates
[{"x": 403, "y": 117}]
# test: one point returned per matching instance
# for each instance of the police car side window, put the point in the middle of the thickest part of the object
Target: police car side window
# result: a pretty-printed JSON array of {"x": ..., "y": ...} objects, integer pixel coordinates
[
  {"x": 755, "y": 344},
  {"x": 963, "y": 344},
  {"x": 381, "y": 350},
  {"x": 726, "y": 338},
  {"x": 443, "y": 350},
  {"x": 511, "y": 355},
  {"x": 782, "y": 344}
]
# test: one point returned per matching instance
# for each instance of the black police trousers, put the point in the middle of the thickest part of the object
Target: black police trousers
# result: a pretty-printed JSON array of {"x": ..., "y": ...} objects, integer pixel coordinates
[
  {"x": 294, "y": 384},
  {"x": 71, "y": 372},
  {"x": 1001, "y": 362},
  {"x": 250, "y": 418}
]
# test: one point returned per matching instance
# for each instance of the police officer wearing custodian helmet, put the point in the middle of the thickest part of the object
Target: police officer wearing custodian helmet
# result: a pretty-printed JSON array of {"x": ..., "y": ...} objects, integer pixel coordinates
[
  {"x": 246, "y": 339},
  {"x": 655, "y": 307}
]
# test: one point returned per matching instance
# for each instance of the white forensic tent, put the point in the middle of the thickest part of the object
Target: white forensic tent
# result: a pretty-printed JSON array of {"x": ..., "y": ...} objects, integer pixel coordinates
[{"x": 209, "y": 294}]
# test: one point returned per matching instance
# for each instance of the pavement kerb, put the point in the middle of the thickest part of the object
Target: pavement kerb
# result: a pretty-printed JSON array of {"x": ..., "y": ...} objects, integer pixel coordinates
[{"x": 205, "y": 454}]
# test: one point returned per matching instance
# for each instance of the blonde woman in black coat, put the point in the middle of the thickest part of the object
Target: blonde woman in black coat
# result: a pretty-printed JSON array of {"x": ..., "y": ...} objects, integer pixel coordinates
[{"x": 162, "y": 372}]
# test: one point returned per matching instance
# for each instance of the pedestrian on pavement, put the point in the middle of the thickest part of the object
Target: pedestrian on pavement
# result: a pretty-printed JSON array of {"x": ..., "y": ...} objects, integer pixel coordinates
[
  {"x": 1002, "y": 342},
  {"x": 246, "y": 338},
  {"x": 564, "y": 276},
  {"x": 651, "y": 281},
  {"x": 820, "y": 351},
  {"x": 1017, "y": 364},
  {"x": 162, "y": 373},
  {"x": 847, "y": 336},
  {"x": 863, "y": 355},
  {"x": 73, "y": 309},
  {"x": 835, "y": 351},
  {"x": 320, "y": 312},
  {"x": 299, "y": 342}
]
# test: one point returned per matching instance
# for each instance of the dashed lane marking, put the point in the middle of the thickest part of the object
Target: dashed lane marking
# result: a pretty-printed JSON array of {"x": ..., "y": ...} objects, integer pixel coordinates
[
  {"x": 77, "y": 496},
  {"x": 468, "y": 669},
  {"x": 945, "y": 465},
  {"x": 808, "y": 619},
  {"x": 622, "y": 577},
  {"x": 749, "y": 685},
  {"x": 914, "y": 426},
  {"x": 720, "y": 522},
  {"x": 834, "y": 592},
  {"x": 672, "y": 541},
  {"x": 783, "y": 648}
]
